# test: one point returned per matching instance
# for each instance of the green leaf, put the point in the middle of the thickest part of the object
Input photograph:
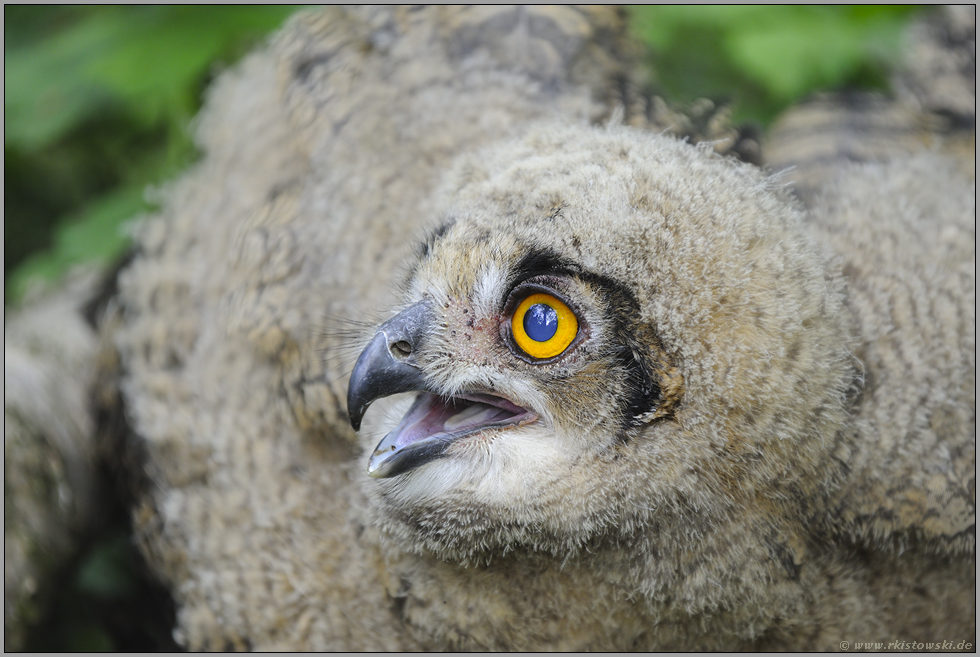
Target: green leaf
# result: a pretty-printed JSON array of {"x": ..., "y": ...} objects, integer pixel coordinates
[
  {"x": 658, "y": 25},
  {"x": 102, "y": 96},
  {"x": 94, "y": 235},
  {"x": 766, "y": 57},
  {"x": 45, "y": 91},
  {"x": 152, "y": 58},
  {"x": 813, "y": 48}
]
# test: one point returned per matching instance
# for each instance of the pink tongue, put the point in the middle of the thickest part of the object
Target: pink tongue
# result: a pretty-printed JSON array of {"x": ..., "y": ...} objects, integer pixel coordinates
[{"x": 431, "y": 413}]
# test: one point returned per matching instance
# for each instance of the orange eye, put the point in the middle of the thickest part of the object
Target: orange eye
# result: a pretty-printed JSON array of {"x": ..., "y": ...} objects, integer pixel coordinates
[{"x": 543, "y": 326}]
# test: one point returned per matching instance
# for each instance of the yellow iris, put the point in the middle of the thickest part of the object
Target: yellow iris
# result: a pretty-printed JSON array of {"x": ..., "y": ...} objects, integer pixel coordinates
[{"x": 543, "y": 326}]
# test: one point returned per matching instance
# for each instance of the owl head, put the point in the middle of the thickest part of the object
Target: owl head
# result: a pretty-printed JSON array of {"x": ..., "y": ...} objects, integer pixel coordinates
[{"x": 608, "y": 336}]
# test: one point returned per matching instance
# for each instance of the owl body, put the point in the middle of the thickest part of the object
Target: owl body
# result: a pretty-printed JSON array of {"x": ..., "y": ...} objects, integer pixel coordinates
[{"x": 747, "y": 431}]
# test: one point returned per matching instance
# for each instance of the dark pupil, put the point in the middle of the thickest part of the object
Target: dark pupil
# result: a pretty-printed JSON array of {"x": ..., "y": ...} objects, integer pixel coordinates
[{"x": 540, "y": 322}]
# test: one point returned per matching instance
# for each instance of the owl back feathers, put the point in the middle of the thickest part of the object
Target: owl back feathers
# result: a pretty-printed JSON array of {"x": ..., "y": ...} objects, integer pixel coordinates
[{"x": 905, "y": 233}]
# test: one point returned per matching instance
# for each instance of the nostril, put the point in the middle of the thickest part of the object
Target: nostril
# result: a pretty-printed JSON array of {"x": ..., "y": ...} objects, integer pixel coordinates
[{"x": 400, "y": 349}]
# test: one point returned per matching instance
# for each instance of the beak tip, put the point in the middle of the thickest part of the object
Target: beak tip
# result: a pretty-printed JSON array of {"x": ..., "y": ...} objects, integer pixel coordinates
[{"x": 355, "y": 412}]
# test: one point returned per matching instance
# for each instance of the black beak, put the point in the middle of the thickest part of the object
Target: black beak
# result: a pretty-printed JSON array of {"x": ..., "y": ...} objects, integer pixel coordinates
[{"x": 387, "y": 365}]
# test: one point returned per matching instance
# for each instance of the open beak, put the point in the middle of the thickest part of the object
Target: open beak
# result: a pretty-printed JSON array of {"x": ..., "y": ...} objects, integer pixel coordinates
[{"x": 387, "y": 366}]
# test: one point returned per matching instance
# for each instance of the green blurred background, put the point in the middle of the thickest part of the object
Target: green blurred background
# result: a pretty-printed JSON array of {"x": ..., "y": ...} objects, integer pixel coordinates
[
  {"x": 98, "y": 100},
  {"x": 98, "y": 104},
  {"x": 97, "y": 107}
]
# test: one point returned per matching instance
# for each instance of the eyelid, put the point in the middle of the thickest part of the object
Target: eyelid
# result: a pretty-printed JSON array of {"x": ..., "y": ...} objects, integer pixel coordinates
[{"x": 539, "y": 284}]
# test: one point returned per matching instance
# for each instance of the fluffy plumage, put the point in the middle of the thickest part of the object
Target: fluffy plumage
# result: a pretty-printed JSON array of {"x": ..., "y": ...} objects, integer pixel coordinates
[
  {"x": 764, "y": 438},
  {"x": 50, "y": 484}
]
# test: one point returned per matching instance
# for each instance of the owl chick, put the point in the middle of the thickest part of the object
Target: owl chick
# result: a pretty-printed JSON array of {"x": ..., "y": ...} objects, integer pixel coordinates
[
  {"x": 613, "y": 390},
  {"x": 635, "y": 360}
]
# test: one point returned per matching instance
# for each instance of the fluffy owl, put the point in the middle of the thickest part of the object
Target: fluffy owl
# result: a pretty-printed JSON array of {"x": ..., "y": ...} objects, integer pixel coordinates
[{"x": 612, "y": 390}]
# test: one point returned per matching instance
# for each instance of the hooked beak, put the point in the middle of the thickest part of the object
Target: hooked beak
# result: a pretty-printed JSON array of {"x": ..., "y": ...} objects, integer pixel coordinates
[{"x": 387, "y": 366}]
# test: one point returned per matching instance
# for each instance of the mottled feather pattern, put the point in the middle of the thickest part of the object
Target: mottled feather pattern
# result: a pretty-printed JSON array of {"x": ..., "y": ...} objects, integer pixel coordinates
[{"x": 764, "y": 439}]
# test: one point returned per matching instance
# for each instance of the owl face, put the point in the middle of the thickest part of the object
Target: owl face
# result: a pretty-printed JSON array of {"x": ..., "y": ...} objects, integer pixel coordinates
[
  {"x": 506, "y": 370},
  {"x": 570, "y": 357},
  {"x": 536, "y": 343}
]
